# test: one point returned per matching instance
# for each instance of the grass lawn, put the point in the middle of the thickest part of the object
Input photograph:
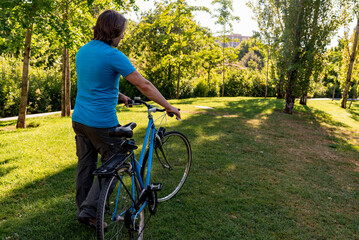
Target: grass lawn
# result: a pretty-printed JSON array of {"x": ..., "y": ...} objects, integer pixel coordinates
[{"x": 257, "y": 173}]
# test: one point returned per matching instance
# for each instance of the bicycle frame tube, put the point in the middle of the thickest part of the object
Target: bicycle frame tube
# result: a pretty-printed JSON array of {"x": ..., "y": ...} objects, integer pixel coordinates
[
  {"x": 118, "y": 197},
  {"x": 150, "y": 133}
]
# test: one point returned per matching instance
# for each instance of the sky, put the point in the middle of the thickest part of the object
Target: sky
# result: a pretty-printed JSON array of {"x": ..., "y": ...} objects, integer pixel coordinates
[{"x": 245, "y": 26}]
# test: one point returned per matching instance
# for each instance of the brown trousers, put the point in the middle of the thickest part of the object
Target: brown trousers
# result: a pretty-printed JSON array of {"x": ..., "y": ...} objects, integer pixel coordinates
[{"x": 90, "y": 142}]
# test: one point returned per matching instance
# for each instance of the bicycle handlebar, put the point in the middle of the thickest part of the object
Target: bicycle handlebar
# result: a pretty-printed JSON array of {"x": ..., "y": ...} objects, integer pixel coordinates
[{"x": 135, "y": 101}]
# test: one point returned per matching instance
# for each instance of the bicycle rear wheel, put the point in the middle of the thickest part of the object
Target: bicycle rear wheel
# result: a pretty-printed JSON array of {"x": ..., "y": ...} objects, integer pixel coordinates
[
  {"x": 119, "y": 223},
  {"x": 171, "y": 163}
]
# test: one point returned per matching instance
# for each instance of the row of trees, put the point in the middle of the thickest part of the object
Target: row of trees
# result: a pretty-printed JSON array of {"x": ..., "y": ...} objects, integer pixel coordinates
[
  {"x": 57, "y": 26},
  {"x": 180, "y": 57},
  {"x": 296, "y": 34}
]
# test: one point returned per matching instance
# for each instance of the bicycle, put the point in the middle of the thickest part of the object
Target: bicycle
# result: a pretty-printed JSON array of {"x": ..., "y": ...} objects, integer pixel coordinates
[{"x": 124, "y": 194}]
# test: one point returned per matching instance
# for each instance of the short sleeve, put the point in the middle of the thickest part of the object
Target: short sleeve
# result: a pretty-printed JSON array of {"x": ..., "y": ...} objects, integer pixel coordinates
[{"x": 122, "y": 64}]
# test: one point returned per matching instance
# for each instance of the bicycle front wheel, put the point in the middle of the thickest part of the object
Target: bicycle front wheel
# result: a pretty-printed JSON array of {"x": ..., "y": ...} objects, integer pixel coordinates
[
  {"x": 115, "y": 218},
  {"x": 171, "y": 164}
]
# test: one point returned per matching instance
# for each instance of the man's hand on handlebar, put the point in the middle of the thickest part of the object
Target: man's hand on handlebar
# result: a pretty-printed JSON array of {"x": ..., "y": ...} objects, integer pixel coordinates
[
  {"x": 123, "y": 98},
  {"x": 172, "y": 110}
]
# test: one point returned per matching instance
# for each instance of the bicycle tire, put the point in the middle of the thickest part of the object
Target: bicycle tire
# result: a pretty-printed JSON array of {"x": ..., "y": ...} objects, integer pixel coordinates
[
  {"x": 172, "y": 165},
  {"x": 106, "y": 205}
]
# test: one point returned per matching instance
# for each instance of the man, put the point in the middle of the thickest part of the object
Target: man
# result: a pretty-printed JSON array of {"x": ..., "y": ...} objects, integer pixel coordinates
[{"x": 99, "y": 67}]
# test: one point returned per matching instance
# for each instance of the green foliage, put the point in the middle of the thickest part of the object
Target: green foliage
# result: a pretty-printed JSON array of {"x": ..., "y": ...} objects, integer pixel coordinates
[
  {"x": 165, "y": 44},
  {"x": 252, "y": 56},
  {"x": 247, "y": 82},
  {"x": 297, "y": 33},
  {"x": 10, "y": 83},
  {"x": 224, "y": 15},
  {"x": 247, "y": 46},
  {"x": 44, "y": 90}
]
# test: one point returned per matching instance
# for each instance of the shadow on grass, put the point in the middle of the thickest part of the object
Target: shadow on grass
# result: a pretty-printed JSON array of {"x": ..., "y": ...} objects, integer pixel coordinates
[
  {"x": 7, "y": 160},
  {"x": 320, "y": 116},
  {"x": 7, "y": 123},
  {"x": 6, "y": 170},
  {"x": 43, "y": 209},
  {"x": 354, "y": 114},
  {"x": 257, "y": 174},
  {"x": 353, "y": 111},
  {"x": 260, "y": 174}
]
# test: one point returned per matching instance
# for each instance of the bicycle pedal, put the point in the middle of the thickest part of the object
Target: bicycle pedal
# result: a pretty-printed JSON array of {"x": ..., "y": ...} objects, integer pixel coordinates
[{"x": 155, "y": 187}]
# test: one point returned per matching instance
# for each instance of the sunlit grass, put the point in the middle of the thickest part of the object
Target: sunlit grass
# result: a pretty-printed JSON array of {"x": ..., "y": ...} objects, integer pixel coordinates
[{"x": 257, "y": 173}]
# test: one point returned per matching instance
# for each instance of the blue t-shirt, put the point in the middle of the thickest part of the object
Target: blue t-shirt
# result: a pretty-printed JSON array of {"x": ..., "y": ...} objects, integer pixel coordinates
[{"x": 99, "y": 67}]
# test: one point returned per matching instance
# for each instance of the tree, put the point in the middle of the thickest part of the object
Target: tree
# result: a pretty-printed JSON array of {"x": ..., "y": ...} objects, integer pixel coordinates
[
  {"x": 302, "y": 29},
  {"x": 224, "y": 18},
  {"x": 166, "y": 41},
  {"x": 246, "y": 46},
  {"x": 252, "y": 56},
  {"x": 27, "y": 14},
  {"x": 211, "y": 56},
  {"x": 351, "y": 65},
  {"x": 72, "y": 20}
]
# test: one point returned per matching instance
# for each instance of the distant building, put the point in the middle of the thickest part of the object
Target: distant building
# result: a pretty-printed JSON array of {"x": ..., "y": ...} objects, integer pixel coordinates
[{"x": 234, "y": 40}]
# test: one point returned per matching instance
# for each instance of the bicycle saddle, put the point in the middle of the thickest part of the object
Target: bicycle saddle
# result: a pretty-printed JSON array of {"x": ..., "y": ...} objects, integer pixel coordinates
[{"x": 122, "y": 131}]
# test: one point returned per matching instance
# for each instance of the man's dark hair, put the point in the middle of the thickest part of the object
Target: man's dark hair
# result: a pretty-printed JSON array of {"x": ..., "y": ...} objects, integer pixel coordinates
[{"x": 110, "y": 24}]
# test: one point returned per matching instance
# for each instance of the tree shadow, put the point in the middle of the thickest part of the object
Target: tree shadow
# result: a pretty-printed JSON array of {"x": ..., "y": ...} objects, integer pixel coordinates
[
  {"x": 7, "y": 160},
  {"x": 264, "y": 173},
  {"x": 320, "y": 116},
  {"x": 256, "y": 174},
  {"x": 354, "y": 114},
  {"x": 43, "y": 209},
  {"x": 6, "y": 170}
]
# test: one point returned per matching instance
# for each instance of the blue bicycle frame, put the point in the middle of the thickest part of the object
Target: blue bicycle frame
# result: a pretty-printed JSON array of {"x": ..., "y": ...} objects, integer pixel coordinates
[{"x": 150, "y": 134}]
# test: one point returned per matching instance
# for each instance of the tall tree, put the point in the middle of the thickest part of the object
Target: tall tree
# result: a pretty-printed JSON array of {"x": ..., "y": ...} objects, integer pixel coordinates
[
  {"x": 303, "y": 28},
  {"x": 166, "y": 40},
  {"x": 72, "y": 20},
  {"x": 27, "y": 14},
  {"x": 211, "y": 56},
  {"x": 224, "y": 18},
  {"x": 351, "y": 65}
]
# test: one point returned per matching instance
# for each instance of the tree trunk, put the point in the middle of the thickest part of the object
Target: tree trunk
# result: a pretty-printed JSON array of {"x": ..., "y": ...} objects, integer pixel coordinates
[
  {"x": 21, "y": 121},
  {"x": 169, "y": 74},
  {"x": 223, "y": 68},
  {"x": 178, "y": 80},
  {"x": 68, "y": 85},
  {"x": 289, "y": 95},
  {"x": 63, "y": 88},
  {"x": 293, "y": 73},
  {"x": 291, "y": 87},
  {"x": 289, "y": 104},
  {"x": 265, "y": 95},
  {"x": 280, "y": 92},
  {"x": 335, "y": 86},
  {"x": 350, "y": 69},
  {"x": 354, "y": 94},
  {"x": 66, "y": 73},
  {"x": 303, "y": 100},
  {"x": 209, "y": 75}
]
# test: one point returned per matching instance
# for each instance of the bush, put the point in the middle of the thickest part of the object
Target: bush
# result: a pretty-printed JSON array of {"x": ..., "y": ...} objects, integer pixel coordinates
[
  {"x": 44, "y": 93},
  {"x": 201, "y": 89},
  {"x": 247, "y": 83},
  {"x": 186, "y": 89},
  {"x": 10, "y": 86}
]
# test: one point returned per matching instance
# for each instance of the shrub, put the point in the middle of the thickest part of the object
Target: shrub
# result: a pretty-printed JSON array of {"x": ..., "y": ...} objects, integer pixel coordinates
[
  {"x": 44, "y": 93},
  {"x": 10, "y": 86},
  {"x": 201, "y": 89}
]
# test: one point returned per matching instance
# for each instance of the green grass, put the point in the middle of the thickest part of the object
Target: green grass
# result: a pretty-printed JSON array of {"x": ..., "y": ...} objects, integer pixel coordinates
[{"x": 257, "y": 174}]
